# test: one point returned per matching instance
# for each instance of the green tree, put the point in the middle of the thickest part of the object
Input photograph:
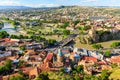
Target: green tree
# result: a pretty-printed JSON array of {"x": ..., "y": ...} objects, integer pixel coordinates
[
  {"x": 17, "y": 78},
  {"x": 76, "y": 22},
  {"x": 91, "y": 77},
  {"x": 42, "y": 76},
  {"x": 8, "y": 64},
  {"x": 100, "y": 32},
  {"x": 107, "y": 53},
  {"x": 77, "y": 77},
  {"x": 14, "y": 36},
  {"x": 64, "y": 78},
  {"x": 65, "y": 25},
  {"x": 87, "y": 27},
  {"x": 3, "y": 34},
  {"x": 80, "y": 28},
  {"x": 97, "y": 46},
  {"x": 51, "y": 41},
  {"x": 80, "y": 69},
  {"x": 114, "y": 65},
  {"x": 7, "y": 68},
  {"x": 22, "y": 48},
  {"x": 82, "y": 32},
  {"x": 20, "y": 63},
  {"x": 105, "y": 75},
  {"x": 66, "y": 32},
  {"x": 115, "y": 44},
  {"x": 62, "y": 70},
  {"x": 21, "y": 37}
]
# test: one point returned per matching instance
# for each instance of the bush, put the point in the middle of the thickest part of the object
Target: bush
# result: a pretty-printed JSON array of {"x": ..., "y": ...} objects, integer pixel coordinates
[
  {"x": 6, "y": 68},
  {"x": 107, "y": 53},
  {"x": 97, "y": 46},
  {"x": 65, "y": 25},
  {"x": 77, "y": 77},
  {"x": 3, "y": 34},
  {"x": 51, "y": 41},
  {"x": 42, "y": 76},
  {"x": 105, "y": 75},
  {"x": 66, "y": 32},
  {"x": 17, "y": 78},
  {"x": 115, "y": 44},
  {"x": 114, "y": 65},
  {"x": 22, "y": 48}
]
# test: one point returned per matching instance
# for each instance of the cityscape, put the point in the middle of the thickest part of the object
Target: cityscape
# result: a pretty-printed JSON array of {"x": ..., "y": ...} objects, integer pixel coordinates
[{"x": 60, "y": 40}]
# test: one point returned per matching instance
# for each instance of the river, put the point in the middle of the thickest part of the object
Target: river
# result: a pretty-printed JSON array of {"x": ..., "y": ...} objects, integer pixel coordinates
[{"x": 9, "y": 28}]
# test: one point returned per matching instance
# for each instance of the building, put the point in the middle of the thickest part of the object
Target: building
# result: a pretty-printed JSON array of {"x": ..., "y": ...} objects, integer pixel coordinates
[{"x": 59, "y": 56}]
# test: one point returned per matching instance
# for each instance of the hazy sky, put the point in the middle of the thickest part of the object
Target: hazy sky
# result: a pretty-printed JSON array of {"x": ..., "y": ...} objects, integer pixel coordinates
[{"x": 51, "y": 3}]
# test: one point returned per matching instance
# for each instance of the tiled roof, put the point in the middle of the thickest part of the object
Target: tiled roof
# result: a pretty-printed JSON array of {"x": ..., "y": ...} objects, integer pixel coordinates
[
  {"x": 34, "y": 71},
  {"x": 45, "y": 67},
  {"x": 8, "y": 40},
  {"x": 15, "y": 74},
  {"x": 12, "y": 57},
  {"x": 115, "y": 59},
  {"x": 30, "y": 52},
  {"x": 102, "y": 63},
  {"x": 26, "y": 69},
  {"x": 89, "y": 58},
  {"x": 49, "y": 56}
]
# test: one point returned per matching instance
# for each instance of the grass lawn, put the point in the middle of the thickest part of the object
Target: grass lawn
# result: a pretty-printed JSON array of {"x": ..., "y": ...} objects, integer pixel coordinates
[
  {"x": 53, "y": 37},
  {"x": 87, "y": 46},
  {"x": 59, "y": 76},
  {"x": 115, "y": 75}
]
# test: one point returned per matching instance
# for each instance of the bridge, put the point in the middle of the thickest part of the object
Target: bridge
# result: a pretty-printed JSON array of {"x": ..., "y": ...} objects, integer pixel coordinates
[
  {"x": 8, "y": 29},
  {"x": 61, "y": 43},
  {"x": 67, "y": 40}
]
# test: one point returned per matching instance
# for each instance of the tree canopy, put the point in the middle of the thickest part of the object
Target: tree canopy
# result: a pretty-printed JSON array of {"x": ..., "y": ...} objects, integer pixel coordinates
[
  {"x": 17, "y": 78},
  {"x": 97, "y": 46},
  {"x": 107, "y": 53},
  {"x": 3, "y": 34},
  {"x": 115, "y": 44},
  {"x": 105, "y": 75},
  {"x": 42, "y": 76},
  {"x": 66, "y": 32},
  {"x": 7, "y": 68}
]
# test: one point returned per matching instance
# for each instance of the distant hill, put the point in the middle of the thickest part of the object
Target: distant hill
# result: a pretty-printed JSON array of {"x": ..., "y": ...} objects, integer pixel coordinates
[
  {"x": 14, "y": 7},
  {"x": 106, "y": 6},
  {"x": 62, "y": 6}
]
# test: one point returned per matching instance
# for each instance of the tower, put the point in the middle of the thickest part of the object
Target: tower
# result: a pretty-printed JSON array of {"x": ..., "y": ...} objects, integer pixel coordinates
[{"x": 59, "y": 56}]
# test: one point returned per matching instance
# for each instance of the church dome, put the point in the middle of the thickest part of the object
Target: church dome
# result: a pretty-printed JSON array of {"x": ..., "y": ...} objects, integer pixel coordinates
[{"x": 76, "y": 56}]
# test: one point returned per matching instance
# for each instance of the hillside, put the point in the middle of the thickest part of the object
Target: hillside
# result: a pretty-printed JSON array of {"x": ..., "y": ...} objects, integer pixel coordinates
[{"x": 14, "y": 7}]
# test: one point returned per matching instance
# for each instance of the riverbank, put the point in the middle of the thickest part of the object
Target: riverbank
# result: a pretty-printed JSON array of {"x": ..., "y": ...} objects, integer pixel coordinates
[{"x": 89, "y": 47}]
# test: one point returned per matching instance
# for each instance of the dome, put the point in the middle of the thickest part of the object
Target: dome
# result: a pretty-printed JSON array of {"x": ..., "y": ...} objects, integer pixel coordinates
[{"x": 76, "y": 56}]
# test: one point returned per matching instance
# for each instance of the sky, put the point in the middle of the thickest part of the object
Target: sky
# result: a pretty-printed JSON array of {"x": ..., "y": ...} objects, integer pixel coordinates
[{"x": 54, "y": 3}]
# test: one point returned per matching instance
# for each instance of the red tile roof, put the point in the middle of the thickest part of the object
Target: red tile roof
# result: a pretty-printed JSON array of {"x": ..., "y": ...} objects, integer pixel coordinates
[
  {"x": 102, "y": 63},
  {"x": 49, "y": 56},
  {"x": 45, "y": 67},
  {"x": 115, "y": 59},
  {"x": 26, "y": 70},
  {"x": 7, "y": 39},
  {"x": 89, "y": 58},
  {"x": 34, "y": 72},
  {"x": 30, "y": 52}
]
